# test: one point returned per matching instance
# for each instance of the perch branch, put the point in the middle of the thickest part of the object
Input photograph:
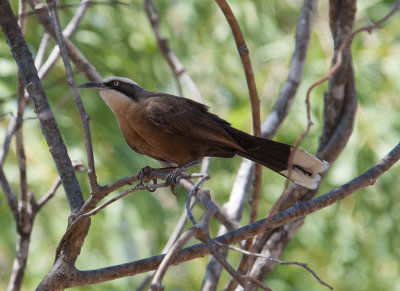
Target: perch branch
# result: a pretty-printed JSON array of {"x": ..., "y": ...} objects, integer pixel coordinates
[{"x": 297, "y": 211}]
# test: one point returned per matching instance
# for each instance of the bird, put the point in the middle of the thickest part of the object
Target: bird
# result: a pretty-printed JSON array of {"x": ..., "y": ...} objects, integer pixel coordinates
[{"x": 181, "y": 131}]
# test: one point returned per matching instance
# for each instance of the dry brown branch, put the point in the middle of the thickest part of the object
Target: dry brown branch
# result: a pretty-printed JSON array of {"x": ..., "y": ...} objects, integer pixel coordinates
[
  {"x": 269, "y": 258},
  {"x": 79, "y": 60},
  {"x": 286, "y": 97},
  {"x": 170, "y": 256},
  {"x": 293, "y": 213},
  {"x": 11, "y": 129},
  {"x": 339, "y": 119},
  {"x": 67, "y": 33},
  {"x": 198, "y": 230},
  {"x": 192, "y": 192},
  {"x": 254, "y": 99},
  {"x": 74, "y": 90},
  {"x": 171, "y": 240},
  {"x": 64, "y": 273},
  {"x": 334, "y": 140},
  {"x": 172, "y": 60},
  {"x": 22, "y": 56}
]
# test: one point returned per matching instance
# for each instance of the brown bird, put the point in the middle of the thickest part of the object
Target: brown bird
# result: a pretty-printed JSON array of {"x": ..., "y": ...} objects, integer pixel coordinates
[{"x": 181, "y": 131}]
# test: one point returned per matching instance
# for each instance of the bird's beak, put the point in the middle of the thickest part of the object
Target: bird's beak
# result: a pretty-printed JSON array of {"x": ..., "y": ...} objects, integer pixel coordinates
[{"x": 93, "y": 85}]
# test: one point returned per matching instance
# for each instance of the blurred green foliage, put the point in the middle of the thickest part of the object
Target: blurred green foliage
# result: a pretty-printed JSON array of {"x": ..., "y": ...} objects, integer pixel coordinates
[{"x": 353, "y": 245}]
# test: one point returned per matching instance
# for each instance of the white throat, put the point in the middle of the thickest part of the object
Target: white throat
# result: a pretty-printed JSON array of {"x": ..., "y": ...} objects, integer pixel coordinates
[{"x": 115, "y": 100}]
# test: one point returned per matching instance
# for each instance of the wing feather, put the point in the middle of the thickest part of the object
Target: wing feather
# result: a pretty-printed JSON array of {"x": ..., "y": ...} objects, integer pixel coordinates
[{"x": 188, "y": 118}]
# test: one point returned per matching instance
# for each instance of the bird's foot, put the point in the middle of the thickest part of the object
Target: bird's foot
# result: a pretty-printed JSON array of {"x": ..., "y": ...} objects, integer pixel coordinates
[
  {"x": 174, "y": 176},
  {"x": 143, "y": 177}
]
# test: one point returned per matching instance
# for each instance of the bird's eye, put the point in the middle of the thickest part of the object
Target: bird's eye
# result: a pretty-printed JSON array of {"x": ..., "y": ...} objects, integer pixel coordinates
[{"x": 116, "y": 83}]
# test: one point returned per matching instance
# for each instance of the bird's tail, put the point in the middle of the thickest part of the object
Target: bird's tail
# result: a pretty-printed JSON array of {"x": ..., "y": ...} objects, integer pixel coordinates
[{"x": 305, "y": 168}]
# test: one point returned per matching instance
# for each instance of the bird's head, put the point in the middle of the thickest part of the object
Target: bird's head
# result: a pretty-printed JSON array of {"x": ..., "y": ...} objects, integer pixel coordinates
[{"x": 117, "y": 91}]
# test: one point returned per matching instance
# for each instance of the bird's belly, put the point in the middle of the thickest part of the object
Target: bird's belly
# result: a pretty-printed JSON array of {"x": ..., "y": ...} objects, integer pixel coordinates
[{"x": 162, "y": 146}]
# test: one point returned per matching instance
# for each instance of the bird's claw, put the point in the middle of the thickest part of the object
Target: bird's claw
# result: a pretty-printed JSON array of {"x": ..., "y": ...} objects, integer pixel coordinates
[
  {"x": 144, "y": 172},
  {"x": 172, "y": 178}
]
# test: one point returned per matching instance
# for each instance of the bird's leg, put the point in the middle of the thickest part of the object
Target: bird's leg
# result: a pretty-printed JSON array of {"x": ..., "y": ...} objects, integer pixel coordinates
[
  {"x": 173, "y": 177},
  {"x": 144, "y": 172}
]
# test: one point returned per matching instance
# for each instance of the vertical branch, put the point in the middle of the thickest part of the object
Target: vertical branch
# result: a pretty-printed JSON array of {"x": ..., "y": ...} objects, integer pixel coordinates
[
  {"x": 67, "y": 33},
  {"x": 286, "y": 97},
  {"x": 296, "y": 69},
  {"x": 245, "y": 58},
  {"x": 168, "y": 54},
  {"x": 254, "y": 99},
  {"x": 24, "y": 221},
  {"x": 42, "y": 108},
  {"x": 339, "y": 114},
  {"x": 23, "y": 184},
  {"x": 75, "y": 55},
  {"x": 74, "y": 90}
]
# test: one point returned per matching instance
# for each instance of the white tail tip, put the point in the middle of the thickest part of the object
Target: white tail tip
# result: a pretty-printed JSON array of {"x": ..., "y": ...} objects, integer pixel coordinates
[{"x": 306, "y": 169}]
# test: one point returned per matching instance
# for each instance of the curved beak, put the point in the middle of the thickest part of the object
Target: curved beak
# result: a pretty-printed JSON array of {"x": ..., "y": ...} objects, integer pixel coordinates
[{"x": 93, "y": 85}]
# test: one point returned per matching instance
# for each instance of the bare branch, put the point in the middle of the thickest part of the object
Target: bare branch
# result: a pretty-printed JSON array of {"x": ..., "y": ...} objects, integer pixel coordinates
[
  {"x": 286, "y": 97},
  {"x": 52, "y": 191},
  {"x": 49, "y": 194},
  {"x": 75, "y": 55},
  {"x": 123, "y": 194},
  {"x": 285, "y": 100},
  {"x": 192, "y": 192},
  {"x": 245, "y": 58},
  {"x": 254, "y": 99},
  {"x": 295, "y": 212},
  {"x": 74, "y": 90},
  {"x": 269, "y": 258},
  {"x": 49, "y": 126},
  {"x": 12, "y": 127},
  {"x": 67, "y": 33},
  {"x": 170, "y": 256},
  {"x": 44, "y": 43},
  {"x": 168, "y": 54},
  {"x": 9, "y": 194}
]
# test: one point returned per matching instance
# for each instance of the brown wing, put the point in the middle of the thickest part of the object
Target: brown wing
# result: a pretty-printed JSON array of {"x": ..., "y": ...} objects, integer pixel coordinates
[{"x": 178, "y": 115}]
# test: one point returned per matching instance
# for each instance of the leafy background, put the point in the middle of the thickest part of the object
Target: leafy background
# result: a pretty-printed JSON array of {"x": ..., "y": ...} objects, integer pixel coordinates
[{"x": 353, "y": 245}]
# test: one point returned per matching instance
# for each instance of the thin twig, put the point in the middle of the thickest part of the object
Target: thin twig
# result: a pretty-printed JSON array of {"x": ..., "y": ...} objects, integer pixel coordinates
[
  {"x": 11, "y": 129},
  {"x": 254, "y": 99},
  {"x": 247, "y": 253},
  {"x": 170, "y": 256},
  {"x": 286, "y": 97},
  {"x": 171, "y": 240},
  {"x": 192, "y": 192},
  {"x": 347, "y": 41},
  {"x": 11, "y": 198},
  {"x": 177, "y": 67},
  {"x": 25, "y": 216},
  {"x": 295, "y": 212},
  {"x": 41, "y": 52},
  {"x": 67, "y": 33},
  {"x": 46, "y": 197},
  {"x": 74, "y": 90},
  {"x": 245, "y": 58},
  {"x": 100, "y": 207},
  {"x": 81, "y": 63},
  {"x": 53, "y": 189},
  {"x": 123, "y": 194}
]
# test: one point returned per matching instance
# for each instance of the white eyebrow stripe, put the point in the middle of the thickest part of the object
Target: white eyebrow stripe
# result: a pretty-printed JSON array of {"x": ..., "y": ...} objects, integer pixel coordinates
[{"x": 122, "y": 79}]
